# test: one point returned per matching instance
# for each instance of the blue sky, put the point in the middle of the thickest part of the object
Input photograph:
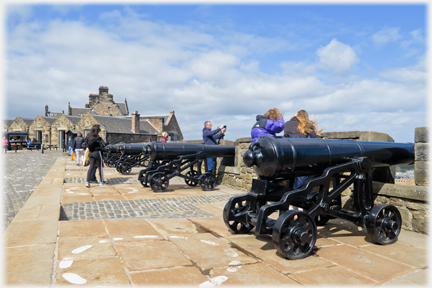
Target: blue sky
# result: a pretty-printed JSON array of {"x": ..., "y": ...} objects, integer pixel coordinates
[{"x": 353, "y": 67}]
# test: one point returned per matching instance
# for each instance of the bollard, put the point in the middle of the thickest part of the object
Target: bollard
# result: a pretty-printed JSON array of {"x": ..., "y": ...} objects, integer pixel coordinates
[{"x": 42, "y": 148}]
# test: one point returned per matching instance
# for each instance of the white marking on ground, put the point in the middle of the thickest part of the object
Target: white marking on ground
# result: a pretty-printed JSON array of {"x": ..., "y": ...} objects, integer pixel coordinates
[
  {"x": 178, "y": 237},
  {"x": 210, "y": 242},
  {"x": 214, "y": 282},
  {"x": 65, "y": 263},
  {"x": 145, "y": 236},
  {"x": 231, "y": 253},
  {"x": 104, "y": 241},
  {"x": 117, "y": 239},
  {"x": 74, "y": 278},
  {"x": 234, "y": 266},
  {"x": 81, "y": 249}
]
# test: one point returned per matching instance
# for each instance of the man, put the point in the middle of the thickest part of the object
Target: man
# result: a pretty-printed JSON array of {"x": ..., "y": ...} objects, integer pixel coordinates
[
  {"x": 77, "y": 148},
  {"x": 209, "y": 138}
]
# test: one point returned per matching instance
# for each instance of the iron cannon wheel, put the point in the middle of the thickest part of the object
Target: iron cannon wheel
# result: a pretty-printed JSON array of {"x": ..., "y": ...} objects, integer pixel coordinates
[
  {"x": 207, "y": 181},
  {"x": 125, "y": 169},
  {"x": 322, "y": 219},
  {"x": 191, "y": 173},
  {"x": 294, "y": 234},
  {"x": 383, "y": 224},
  {"x": 159, "y": 182},
  {"x": 231, "y": 210},
  {"x": 142, "y": 181}
]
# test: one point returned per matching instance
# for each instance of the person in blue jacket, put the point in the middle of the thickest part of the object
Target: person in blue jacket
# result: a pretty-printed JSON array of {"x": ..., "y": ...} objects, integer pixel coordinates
[
  {"x": 210, "y": 137},
  {"x": 269, "y": 124}
]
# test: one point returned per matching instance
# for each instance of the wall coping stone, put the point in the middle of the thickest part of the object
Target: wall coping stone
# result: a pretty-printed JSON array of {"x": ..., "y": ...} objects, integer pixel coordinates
[
  {"x": 229, "y": 169},
  {"x": 419, "y": 193}
]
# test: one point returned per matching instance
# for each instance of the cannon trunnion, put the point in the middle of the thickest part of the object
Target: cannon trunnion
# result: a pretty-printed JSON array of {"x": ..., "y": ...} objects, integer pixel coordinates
[
  {"x": 168, "y": 160},
  {"x": 331, "y": 166}
]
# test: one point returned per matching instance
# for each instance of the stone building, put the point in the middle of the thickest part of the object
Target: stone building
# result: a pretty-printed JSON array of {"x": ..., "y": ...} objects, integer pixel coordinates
[
  {"x": 40, "y": 129},
  {"x": 20, "y": 125},
  {"x": 61, "y": 127},
  {"x": 58, "y": 128},
  {"x": 101, "y": 104}
]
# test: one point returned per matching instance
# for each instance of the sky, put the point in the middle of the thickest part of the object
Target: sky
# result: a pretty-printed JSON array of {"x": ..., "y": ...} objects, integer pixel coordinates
[{"x": 352, "y": 67}]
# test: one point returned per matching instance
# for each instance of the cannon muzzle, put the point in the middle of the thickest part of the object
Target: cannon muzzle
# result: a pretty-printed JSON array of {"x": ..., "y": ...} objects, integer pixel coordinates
[
  {"x": 279, "y": 157},
  {"x": 168, "y": 151}
]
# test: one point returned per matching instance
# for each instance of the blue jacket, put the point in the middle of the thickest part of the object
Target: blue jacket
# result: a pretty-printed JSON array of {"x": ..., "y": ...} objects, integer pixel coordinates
[
  {"x": 266, "y": 127},
  {"x": 208, "y": 137}
]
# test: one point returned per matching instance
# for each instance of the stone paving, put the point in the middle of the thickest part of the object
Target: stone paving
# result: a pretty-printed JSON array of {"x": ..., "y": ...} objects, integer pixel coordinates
[
  {"x": 24, "y": 171},
  {"x": 169, "y": 246}
]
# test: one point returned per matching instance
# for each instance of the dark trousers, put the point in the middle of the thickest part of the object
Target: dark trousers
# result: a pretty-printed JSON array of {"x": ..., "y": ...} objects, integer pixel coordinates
[{"x": 95, "y": 160}]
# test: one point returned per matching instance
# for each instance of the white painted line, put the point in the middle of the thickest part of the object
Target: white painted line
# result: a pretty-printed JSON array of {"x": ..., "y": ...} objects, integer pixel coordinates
[
  {"x": 145, "y": 236},
  {"x": 231, "y": 253},
  {"x": 178, "y": 237},
  {"x": 214, "y": 282},
  {"x": 65, "y": 263},
  {"x": 210, "y": 242},
  {"x": 81, "y": 249},
  {"x": 74, "y": 278},
  {"x": 117, "y": 239}
]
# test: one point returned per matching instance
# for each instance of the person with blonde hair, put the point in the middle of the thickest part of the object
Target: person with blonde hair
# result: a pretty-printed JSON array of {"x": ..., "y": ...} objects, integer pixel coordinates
[
  {"x": 164, "y": 137},
  {"x": 300, "y": 126},
  {"x": 269, "y": 124}
]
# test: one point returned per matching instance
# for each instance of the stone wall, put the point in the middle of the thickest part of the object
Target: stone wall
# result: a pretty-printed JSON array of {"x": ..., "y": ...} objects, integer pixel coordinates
[{"x": 411, "y": 201}]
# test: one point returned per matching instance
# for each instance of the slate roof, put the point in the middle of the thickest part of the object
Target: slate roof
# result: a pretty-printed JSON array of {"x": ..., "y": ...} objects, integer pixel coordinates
[
  {"x": 123, "y": 108},
  {"x": 28, "y": 121},
  {"x": 123, "y": 125},
  {"x": 7, "y": 122},
  {"x": 73, "y": 119},
  {"x": 50, "y": 120},
  {"x": 79, "y": 111}
]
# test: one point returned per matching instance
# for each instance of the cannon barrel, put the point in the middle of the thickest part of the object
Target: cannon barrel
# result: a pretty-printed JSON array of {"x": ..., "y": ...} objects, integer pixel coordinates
[
  {"x": 133, "y": 149},
  {"x": 282, "y": 157},
  {"x": 168, "y": 151},
  {"x": 112, "y": 148}
]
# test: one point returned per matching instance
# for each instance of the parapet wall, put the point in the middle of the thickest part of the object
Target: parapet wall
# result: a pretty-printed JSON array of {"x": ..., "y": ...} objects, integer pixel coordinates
[{"x": 412, "y": 201}]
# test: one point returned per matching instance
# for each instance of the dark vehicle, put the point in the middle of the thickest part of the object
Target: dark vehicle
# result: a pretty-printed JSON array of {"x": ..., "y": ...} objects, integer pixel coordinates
[{"x": 18, "y": 140}]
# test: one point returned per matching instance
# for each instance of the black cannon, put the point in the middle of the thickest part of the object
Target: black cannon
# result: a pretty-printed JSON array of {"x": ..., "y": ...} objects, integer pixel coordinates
[
  {"x": 331, "y": 166},
  {"x": 130, "y": 155},
  {"x": 168, "y": 160},
  {"x": 111, "y": 154}
]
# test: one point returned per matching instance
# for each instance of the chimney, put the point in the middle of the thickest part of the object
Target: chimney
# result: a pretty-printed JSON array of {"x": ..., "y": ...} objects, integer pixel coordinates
[{"x": 136, "y": 122}]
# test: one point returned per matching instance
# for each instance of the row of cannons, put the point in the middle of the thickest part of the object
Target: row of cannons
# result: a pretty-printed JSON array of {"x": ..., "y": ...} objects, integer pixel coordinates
[{"x": 332, "y": 166}]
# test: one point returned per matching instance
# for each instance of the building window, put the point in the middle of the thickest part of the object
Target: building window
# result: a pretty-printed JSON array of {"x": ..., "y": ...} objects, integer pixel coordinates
[{"x": 86, "y": 132}]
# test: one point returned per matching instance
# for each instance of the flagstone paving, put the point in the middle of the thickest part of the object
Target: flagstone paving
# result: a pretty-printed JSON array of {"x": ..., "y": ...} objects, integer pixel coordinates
[{"x": 178, "y": 238}]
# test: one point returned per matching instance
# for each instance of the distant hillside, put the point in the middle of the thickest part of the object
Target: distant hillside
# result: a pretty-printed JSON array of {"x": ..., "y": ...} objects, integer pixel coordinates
[{"x": 404, "y": 167}]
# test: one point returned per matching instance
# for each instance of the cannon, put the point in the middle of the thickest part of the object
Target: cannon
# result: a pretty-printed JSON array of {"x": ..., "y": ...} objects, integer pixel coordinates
[
  {"x": 168, "y": 160},
  {"x": 331, "y": 166},
  {"x": 130, "y": 155},
  {"x": 111, "y": 154}
]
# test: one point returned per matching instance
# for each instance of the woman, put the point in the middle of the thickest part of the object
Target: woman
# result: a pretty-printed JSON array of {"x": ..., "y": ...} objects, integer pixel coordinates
[
  {"x": 301, "y": 127},
  {"x": 269, "y": 124},
  {"x": 164, "y": 137},
  {"x": 95, "y": 144}
]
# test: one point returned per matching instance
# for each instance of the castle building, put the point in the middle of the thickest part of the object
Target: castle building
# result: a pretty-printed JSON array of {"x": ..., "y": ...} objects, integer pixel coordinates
[{"x": 58, "y": 129}]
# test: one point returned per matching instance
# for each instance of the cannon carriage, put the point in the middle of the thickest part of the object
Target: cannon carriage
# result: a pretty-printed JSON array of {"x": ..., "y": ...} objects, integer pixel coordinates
[
  {"x": 331, "y": 166},
  {"x": 111, "y": 154},
  {"x": 132, "y": 155},
  {"x": 168, "y": 160},
  {"x": 125, "y": 156}
]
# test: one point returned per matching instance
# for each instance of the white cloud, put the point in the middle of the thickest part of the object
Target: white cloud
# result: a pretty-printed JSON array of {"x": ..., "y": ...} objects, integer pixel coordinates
[
  {"x": 414, "y": 74},
  {"x": 160, "y": 67},
  {"x": 385, "y": 35},
  {"x": 337, "y": 56}
]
